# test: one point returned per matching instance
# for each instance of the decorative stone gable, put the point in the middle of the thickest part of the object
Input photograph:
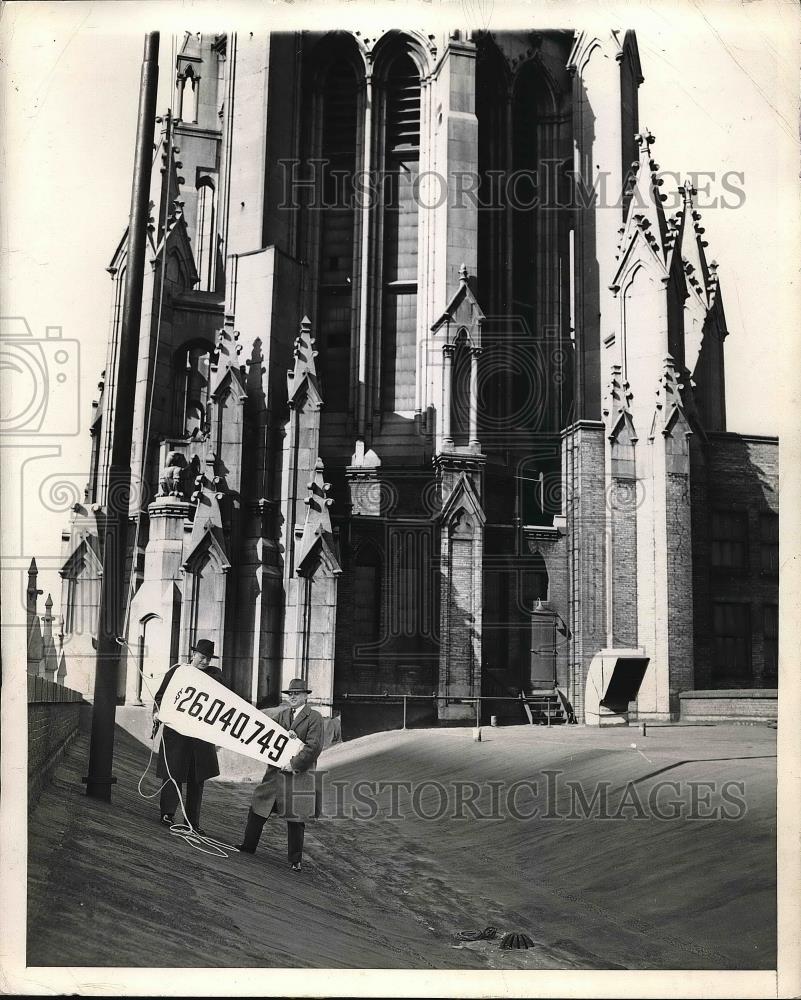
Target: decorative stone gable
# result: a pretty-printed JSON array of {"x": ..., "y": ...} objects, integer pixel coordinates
[
  {"x": 670, "y": 419},
  {"x": 302, "y": 441},
  {"x": 457, "y": 330},
  {"x": 311, "y": 558},
  {"x": 461, "y": 523}
]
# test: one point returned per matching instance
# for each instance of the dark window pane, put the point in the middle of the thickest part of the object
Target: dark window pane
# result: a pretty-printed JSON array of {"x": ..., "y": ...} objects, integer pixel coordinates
[
  {"x": 770, "y": 633},
  {"x": 731, "y": 649},
  {"x": 729, "y": 539},
  {"x": 769, "y": 542}
]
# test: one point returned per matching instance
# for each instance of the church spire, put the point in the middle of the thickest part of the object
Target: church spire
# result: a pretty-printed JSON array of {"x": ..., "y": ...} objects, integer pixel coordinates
[
  {"x": 691, "y": 245},
  {"x": 646, "y": 213},
  {"x": 304, "y": 355}
]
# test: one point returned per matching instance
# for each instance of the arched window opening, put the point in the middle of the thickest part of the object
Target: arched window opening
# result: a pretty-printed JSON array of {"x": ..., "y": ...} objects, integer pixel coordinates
[
  {"x": 148, "y": 655},
  {"x": 193, "y": 377},
  {"x": 492, "y": 253},
  {"x": 540, "y": 253},
  {"x": 205, "y": 236},
  {"x": 189, "y": 86},
  {"x": 460, "y": 392},
  {"x": 539, "y": 491},
  {"x": 491, "y": 110},
  {"x": 529, "y": 219},
  {"x": 401, "y": 165},
  {"x": 338, "y": 151}
]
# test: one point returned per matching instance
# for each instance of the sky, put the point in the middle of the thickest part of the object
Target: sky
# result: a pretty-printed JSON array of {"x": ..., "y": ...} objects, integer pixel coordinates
[{"x": 720, "y": 94}]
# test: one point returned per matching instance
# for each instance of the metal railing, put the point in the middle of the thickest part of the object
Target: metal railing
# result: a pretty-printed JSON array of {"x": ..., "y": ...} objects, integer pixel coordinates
[{"x": 396, "y": 698}]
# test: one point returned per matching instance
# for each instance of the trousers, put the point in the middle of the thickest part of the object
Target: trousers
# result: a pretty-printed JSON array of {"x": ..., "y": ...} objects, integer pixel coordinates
[
  {"x": 294, "y": 836},
  {"x": 192, "y": 803}
]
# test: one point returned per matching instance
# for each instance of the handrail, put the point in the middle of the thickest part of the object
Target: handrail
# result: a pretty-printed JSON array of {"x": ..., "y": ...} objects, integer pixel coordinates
[{"x": 398, "y": 697}]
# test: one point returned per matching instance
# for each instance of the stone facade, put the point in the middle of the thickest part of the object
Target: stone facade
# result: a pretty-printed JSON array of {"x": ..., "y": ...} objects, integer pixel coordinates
[{"x": 402, "y": 426}]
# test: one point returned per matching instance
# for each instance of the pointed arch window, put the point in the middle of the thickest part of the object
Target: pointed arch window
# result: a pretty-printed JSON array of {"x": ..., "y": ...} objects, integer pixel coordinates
[
  {"x": 400, "y": 217},
  {"x": 192, "y": 381},
  {"x": 535, "y": 150},
  {"x": 189, "y": 86},
  {"x": 338, "y": 152},
  {"x": 492, "y": 98},
  {"x": 460, "y": 391},
  {"x": 205, "y": 235}
]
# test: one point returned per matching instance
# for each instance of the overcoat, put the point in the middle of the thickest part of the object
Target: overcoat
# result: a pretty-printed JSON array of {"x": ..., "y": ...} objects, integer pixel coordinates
[
  {"x": 294, "y": 796},
  {"x": 189, "y": 759}
]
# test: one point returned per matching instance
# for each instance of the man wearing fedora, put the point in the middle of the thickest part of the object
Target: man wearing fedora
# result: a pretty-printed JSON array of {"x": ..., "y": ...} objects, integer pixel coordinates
[
  {"x": 290, "y": 792},
  {"x": 190, "y": 760}
]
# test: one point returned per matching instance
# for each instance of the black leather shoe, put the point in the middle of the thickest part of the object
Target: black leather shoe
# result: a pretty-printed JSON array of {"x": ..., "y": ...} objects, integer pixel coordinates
[
  {"x": 245, "y": 850},
  {"x": 296, "y": 866},
  {"x": 167, "y": 819}
]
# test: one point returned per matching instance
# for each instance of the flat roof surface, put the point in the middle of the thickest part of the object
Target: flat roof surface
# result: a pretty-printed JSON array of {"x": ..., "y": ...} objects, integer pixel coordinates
[{"x": 608, "y": 855}]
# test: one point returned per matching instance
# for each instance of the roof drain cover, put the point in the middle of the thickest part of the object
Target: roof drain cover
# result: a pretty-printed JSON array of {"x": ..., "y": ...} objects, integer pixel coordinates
[{"x": 515, "y": 940}]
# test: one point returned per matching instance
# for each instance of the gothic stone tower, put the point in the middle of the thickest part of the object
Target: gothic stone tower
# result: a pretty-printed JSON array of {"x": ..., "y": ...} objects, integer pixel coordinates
[{"x": 421, "y": 353}]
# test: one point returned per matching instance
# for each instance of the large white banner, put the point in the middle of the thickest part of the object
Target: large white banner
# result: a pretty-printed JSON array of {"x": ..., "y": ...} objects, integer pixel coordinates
[{"x": 194, "y": 704}]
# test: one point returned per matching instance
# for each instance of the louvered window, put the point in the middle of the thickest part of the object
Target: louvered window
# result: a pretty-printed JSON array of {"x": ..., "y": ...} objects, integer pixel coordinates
[
  {"x": 339, "y": 135},
  {"x": 400, "y": 231},
  {"x": 403, "y": 107},
  {"x": 191, "y": 396}
]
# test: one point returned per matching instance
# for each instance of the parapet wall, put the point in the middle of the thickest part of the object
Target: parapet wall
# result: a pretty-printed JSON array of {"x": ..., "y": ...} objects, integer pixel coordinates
[{"x": 54, "y": 718}]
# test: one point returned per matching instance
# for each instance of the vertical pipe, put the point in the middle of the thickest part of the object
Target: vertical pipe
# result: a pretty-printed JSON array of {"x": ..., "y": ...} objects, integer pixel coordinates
[
  {"x": 101, "y": 746},
  {"x": 404, "y": 711}
]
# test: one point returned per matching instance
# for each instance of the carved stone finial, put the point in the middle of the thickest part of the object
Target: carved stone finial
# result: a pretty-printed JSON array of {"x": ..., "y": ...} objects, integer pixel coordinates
[
  {"x": 304, "y": 354},
  {"x": 618, "y": 394}
]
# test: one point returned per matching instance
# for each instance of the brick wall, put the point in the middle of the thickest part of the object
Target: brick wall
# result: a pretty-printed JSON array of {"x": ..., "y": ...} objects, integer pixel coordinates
[
  {"x": 718, "y": 706},
  {"x": 679, "y": 582},
  {"x": 54, "y": 714},
  {"x": 586, "y": 524},
  {"x": 622, "y": 501},
  {"x": 739, "y": 473}
]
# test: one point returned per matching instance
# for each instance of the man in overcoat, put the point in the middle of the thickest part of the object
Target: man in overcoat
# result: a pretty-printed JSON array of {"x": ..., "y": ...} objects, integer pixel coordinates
[
  {"x": 190, "y": 760},
  {"x": 290, "y": 792}
]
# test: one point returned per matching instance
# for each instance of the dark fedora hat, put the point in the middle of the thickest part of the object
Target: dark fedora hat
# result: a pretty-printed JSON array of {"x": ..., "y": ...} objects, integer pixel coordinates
[
  {"x": 206, "y": 647},
  {"x": 297, "y": 685}
]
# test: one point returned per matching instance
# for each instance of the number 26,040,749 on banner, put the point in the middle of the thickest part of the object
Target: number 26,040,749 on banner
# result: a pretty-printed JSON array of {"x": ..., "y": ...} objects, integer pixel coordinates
[{"x": 196, "y": 705}]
